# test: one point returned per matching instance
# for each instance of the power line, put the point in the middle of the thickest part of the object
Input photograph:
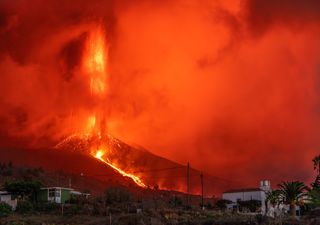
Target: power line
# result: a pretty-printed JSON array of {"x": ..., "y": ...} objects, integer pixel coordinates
[
  {"x": 141, "y": 171},
  {"x": 208, "y": 178}
]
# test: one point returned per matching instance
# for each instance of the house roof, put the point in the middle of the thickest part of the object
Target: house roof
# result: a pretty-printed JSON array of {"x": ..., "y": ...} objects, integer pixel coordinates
[
  {"x": 78, "y": 193},
  {"x": 64, "y": 188},
  {"x": 243, "y": 190}
]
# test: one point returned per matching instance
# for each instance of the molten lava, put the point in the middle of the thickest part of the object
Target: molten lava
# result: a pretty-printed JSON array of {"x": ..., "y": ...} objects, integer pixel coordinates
[
  {"x": 94, "y": 61},
  {"x": 137, "y": 180},
  {"x": 95, "y": 69}
]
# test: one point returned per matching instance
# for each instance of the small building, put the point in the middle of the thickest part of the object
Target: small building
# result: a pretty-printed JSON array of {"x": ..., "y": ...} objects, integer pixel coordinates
[
  {"x": 79, "y": 194},
  {"x": 54, "y": 194},
  {"x": 7, "y": 198},
  {"x": 247, "y": 194}
]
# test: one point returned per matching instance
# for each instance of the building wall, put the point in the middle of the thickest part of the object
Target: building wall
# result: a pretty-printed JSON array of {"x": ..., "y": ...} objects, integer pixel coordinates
[
  {"x": 246, "y": 196},
  {"x": 65, "y": 195},
  {"x": 4, "y": 198},
  {"x": 7, "y": 199}
]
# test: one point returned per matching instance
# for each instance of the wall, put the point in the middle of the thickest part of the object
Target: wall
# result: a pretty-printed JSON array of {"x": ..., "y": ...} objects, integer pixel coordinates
[
  {"x": 246, "y": 196},
  {"x": 65, "y": 195},
  {"x": 7, "y": 199}
]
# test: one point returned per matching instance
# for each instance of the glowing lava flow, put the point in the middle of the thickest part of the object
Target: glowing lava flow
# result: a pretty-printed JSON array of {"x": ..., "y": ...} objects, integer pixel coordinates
[
  {"x": 100, "y": 153},
  {"x": 94, "y": 66}
]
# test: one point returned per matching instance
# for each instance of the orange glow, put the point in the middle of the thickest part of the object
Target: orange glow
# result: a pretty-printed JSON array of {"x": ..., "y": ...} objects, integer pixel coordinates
[
  {"x": 91, "y": 123},
  {"x": 94, "y": 61},
  {"x": 99, "y": 155},
  {"x": 213, "y": 83}
]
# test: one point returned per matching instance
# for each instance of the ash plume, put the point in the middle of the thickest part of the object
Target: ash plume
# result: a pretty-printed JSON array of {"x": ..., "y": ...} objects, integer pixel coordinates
[{"x": 231, "y": 86}]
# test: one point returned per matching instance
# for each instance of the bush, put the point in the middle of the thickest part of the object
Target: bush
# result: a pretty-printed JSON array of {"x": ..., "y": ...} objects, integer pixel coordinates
[
  {"x": 118, "y": 195},
  {"x": 222, "y": 203},
  {"x": 252, "y": 205},
  {"x": 5, "y": 209},
  {"x": 47, "y": 207},
  {"x": 175, "y": 201},
  {"x": 24, "y": 207}
]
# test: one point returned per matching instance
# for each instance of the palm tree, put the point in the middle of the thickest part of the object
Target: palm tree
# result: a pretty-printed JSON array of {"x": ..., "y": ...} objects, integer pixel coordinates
[
  {"x": 273, "y": 197},
  {"x": 292, "y": 193},
  {"x": 316, "y": 163}
]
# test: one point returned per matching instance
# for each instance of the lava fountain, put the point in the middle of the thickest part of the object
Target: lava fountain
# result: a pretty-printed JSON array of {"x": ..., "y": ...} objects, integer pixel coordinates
[{"x": 94, "y": 68}]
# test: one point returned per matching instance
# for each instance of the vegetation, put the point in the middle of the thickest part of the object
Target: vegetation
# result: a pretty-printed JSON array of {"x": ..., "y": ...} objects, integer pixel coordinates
[
  {"x": 315, "y": 191},
  {"x": 24, "y": 207},
  {"x": 222, "y": 204},
  {"x": 292, "y": 194},
  {"x": 251, "y": 205},
  {"x": 123, "y": 206},
  {"x": 274, "y": 197},
  {"x": 316, "y": 163},
  {"x": 117, "y": 195},
  {"x": 23, "y": 189},
  {"x": 176, "y": 201},
  {"x": 5, "y": 209}
]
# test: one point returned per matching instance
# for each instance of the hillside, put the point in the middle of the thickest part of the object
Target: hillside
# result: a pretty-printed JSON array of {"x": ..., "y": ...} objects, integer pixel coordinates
[
  {"x": 62, "y": 168},
  {"x": 154, "y": 170}
]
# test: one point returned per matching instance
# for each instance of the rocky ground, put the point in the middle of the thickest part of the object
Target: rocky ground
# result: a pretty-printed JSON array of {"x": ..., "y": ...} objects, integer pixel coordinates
[{"x": 164, "y": 217}]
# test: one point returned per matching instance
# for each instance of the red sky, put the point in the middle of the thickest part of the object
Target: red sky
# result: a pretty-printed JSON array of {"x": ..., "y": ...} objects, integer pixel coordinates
[{"x": 231, "y": 86}]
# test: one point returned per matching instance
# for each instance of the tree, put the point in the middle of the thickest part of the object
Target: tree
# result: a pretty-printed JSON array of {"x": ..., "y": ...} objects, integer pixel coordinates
[
  {"x": 316, "y": 163},
  {"x": 273, "y": 197},
  {"x": 222, "y": 203},
  {"x": 252, "y": 205},
  {"x": 314, "y": 197},
  {"x": 315, "y": 192},
  {"x": 292, "y": 193},
  {"x": 24, "y": 189},
  {"x": 316, "y": 184}
]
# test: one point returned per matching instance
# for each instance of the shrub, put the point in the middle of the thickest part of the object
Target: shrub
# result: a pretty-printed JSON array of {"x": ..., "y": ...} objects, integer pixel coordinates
[
  {"x": 24, "y": 207},
  {"x": 252, "y": 205},
  {"x": 72, "y": 210},
  {"x": 175, "y": 201},
  {"x": 118, "y": 195},
  {"x": 222, "y": 203},
  {"x": 5, "y": 209},
  {"x": 47, "y": 207}
]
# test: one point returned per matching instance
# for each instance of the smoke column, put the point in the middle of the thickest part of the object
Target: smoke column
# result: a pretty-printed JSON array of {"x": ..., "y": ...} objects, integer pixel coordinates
[{"x": 231, "y": 86}]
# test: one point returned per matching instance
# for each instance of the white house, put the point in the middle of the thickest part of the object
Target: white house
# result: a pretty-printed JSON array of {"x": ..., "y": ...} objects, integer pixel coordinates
[
  {"x": 247, "y": 194},
  {"x": 7, "y": 198}
]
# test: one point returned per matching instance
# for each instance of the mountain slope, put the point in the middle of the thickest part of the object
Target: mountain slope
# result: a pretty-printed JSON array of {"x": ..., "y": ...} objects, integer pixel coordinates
[{"x": 154, "y": 170}]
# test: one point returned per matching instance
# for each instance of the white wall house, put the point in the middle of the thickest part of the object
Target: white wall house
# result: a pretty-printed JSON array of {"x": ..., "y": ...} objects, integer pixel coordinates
[
  {"x": 7, "y": 198},
  {"x": 246, "y": 194}
]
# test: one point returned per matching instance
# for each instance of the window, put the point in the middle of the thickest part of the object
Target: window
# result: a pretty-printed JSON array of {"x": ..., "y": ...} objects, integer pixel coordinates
[
  {"x": 51, "y": 193},
  {"x": 54, "y": 193}
]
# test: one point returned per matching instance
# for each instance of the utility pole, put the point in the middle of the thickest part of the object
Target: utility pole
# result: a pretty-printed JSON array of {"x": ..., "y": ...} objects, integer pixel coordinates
[
  {"x": 188, "y": 184},
  {"x": 201, "y": 176}
]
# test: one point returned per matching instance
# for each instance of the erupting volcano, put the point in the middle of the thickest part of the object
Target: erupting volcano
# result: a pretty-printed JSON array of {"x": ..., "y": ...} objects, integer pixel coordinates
[
  {"x": 219, "y": 84},
  {"x": 95, "y": 68}
]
